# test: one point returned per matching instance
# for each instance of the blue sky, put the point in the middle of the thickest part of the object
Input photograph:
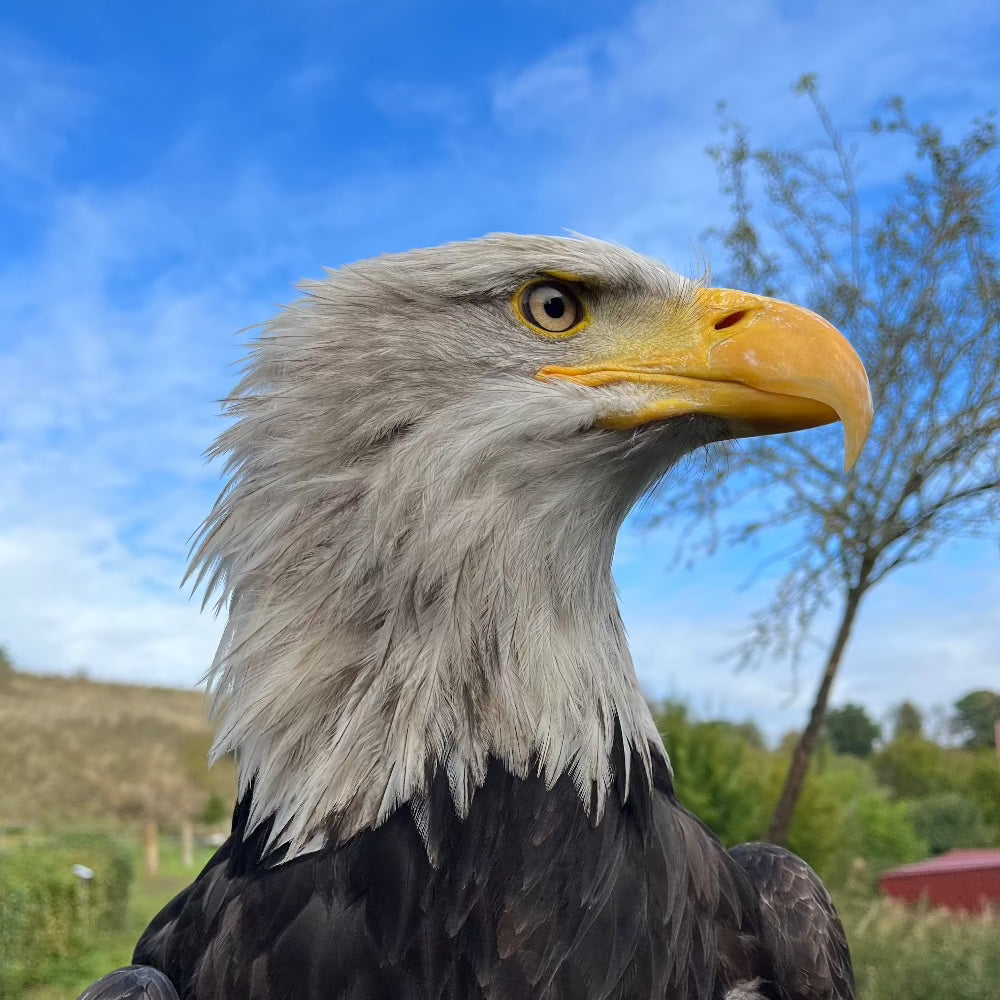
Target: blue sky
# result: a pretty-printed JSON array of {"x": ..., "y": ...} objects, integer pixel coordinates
[{"x": 167, "y": 172}]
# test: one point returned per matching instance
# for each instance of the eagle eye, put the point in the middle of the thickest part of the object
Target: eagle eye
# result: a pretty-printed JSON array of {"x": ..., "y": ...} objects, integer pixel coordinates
[{"x": 552, "y": 306}]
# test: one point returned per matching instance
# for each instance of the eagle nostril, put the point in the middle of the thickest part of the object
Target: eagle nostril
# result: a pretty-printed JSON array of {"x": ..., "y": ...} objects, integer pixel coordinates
[{"x": 731, "y": 320}]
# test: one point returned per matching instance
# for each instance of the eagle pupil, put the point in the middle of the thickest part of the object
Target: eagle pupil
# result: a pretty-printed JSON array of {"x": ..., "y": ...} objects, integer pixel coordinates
[{"x": 555, "y": 307}]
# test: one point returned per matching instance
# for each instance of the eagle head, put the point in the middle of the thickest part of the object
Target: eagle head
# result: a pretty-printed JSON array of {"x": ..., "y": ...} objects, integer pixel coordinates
[{"x": 430, "y": 458}]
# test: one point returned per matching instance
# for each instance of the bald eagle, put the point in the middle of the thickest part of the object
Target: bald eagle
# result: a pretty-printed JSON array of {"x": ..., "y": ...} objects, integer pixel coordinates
[{"x": 450, "y": 784}]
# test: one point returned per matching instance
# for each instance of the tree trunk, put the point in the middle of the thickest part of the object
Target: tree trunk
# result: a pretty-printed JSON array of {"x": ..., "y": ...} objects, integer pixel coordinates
[{"x": 785, "y": 810}]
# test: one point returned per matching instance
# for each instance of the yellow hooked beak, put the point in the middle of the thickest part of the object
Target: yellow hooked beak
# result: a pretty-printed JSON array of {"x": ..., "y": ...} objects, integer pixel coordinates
[{"x": 767, "y": 366}]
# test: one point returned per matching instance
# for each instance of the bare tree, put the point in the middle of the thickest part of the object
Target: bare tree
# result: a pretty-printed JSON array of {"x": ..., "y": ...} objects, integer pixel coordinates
[{"x": 910, "y": 273}]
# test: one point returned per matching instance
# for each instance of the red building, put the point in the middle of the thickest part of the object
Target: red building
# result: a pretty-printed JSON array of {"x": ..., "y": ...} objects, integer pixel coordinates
[{"x": 959, "y": 880}]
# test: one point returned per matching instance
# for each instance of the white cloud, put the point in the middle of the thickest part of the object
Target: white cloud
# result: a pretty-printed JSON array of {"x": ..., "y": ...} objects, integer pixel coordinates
[
  {"x": 443, "y": 104},
  {"x": 42, "y": 102},
  {"x": 306, "y": 83},
  {"x": 535, "y": 97},
  {"x": 110, "y": 407},
  {"x": 622, "y": 119},
  {"x": 118, "y": 334},
  {"x": 81, "y": 600}
]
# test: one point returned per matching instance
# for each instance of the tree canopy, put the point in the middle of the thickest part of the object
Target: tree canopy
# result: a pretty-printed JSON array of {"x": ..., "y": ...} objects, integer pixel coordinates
[
  {"x": 976, "y": 717},
  {"x": 908, "y": 721},
  {"x": 852, "y": 731}
]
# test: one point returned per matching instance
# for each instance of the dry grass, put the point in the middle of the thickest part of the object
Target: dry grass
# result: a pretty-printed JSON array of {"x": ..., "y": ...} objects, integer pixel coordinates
[
  {"x": 77, "y": 752},
  {"x": 916, "y": 953}
]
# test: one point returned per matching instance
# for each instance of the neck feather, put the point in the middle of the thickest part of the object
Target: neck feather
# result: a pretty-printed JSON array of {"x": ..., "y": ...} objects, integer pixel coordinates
[{"x": 445, "y": 601}]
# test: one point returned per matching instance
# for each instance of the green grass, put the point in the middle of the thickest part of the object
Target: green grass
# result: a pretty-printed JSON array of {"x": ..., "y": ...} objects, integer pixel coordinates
[{"x": 66, "y": 979}]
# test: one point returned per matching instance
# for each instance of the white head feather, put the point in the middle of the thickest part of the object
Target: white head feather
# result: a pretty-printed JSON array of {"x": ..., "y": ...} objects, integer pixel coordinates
[{"x": 415, "y": 543}]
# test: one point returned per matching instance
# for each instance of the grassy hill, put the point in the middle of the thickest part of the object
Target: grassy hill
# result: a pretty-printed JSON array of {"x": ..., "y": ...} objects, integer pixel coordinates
[{"x": 77, "y": 752}]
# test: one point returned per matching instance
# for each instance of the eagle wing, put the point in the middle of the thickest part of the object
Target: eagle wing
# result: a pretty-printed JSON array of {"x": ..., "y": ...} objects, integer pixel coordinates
[
  {"x": 800, "y": 930},
  {"x": 137, "y": 982}
]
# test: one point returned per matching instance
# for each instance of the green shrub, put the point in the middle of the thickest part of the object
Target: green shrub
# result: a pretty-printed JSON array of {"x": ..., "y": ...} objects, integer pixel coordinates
[
  {"x": 15, "y": 904},
  {"x": 876, "y": 835},
  {"x": 712, "y": 775},
  {"x": 48, "y": 913},
  {"x": 982, "y": 785},
  {"x": 113, "y": 874},
  {"x": 912, "y": 767},
  {"x": 873, "y": 828},
  {"x": 732, "y": 784},
  {"x": 950, "y": 820},
  {"x": 843, "y": 817},
  {"x": 216, "y": 810},
  {"x": 816, "y": 833}
]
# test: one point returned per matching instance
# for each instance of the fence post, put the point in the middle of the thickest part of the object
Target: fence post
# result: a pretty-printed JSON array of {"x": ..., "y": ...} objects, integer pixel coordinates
[
  {"x": 83, "y": 876},
  {"x": 187, "y": 844},
  {"x": 152, "y": 849}
]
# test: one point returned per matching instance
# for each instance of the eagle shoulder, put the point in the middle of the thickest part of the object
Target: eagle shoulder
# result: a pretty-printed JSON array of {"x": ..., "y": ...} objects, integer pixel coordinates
[{"x": 800, "y": 927}]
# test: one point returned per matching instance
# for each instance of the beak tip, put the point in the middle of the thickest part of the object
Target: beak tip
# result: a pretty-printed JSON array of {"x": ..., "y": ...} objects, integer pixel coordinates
[{"x": 856, "y": 434}]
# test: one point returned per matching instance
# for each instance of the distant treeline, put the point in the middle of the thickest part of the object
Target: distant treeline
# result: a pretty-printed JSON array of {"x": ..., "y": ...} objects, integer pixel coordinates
[{"x": 870, "y": 803}]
